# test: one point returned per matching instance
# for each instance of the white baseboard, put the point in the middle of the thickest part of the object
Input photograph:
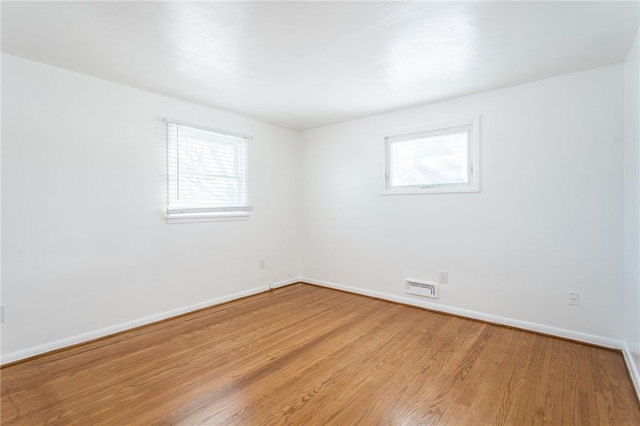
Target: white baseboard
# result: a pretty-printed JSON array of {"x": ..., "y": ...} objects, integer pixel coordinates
[
  {"x": 634, "y": 370},
  {"x": 525, "y": 325},
  {"x": 92, "y": 335},
  {"x": 284, "y": 283}
]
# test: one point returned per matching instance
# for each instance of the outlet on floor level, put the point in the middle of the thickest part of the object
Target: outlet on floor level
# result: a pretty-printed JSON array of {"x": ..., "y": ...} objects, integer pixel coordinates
[
  {"x": 261, "y": 264},
  {"x": 444, "y": 277},
  {"x": 574, "y": 298}
]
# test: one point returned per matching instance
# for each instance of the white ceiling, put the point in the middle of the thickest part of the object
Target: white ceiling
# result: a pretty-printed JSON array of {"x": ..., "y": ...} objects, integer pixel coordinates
[{"x": 307, "y": 64}]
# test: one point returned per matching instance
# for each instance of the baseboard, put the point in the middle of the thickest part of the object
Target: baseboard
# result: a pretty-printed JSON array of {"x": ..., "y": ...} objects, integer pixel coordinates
[
  {"x": 634, "y": 370},
  {"x": 511, "y": 322},
  {"x": 104, "y": 332},
  {"x": 284, "y": 283}
]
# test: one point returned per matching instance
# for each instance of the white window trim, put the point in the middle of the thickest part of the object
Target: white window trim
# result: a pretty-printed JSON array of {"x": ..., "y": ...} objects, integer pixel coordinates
[
  {"x": 209, "y": 217},
  {"x": 175, "y": 215},
  {"x": 474, "y": 146}
]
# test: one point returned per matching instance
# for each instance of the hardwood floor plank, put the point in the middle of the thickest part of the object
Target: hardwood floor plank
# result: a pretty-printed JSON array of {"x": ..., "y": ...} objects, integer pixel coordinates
[{"x": 309, "y": 355}]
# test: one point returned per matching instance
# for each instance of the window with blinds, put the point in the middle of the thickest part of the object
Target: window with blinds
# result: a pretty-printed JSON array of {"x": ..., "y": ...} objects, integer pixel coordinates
[{"x": 207, "y": 173}]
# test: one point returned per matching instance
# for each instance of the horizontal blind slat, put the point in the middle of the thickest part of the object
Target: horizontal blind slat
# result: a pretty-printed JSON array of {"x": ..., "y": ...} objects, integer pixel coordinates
[{"x": 207, "y": 170}]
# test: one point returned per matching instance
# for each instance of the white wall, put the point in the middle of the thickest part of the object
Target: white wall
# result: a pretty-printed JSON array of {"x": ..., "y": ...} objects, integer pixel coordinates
[
  {"x": 547, "y": 219},
  {"x": 632, "y": 206},
  {"x": 85, "y": 246},
  {"x": 85, "y": 249}
]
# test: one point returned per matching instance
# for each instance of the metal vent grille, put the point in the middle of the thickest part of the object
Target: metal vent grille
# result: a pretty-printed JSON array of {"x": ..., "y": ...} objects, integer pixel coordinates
[{"x": 425, "y": 289}]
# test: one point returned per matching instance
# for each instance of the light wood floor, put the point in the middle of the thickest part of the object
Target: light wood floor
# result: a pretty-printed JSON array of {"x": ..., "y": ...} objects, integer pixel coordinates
[{"x": 304, "y": 355}]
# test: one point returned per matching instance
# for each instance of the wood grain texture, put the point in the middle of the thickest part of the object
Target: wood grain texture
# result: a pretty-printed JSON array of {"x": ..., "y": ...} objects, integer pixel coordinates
[{"x": 305, "y": 355}]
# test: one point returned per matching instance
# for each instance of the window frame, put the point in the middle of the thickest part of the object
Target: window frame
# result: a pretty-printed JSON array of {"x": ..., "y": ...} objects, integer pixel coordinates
[
  {"x": 189, "y": 214},
  {"x": 473, "y": 156}
]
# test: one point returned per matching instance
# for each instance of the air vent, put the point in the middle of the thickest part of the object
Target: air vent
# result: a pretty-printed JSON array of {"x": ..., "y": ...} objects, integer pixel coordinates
[{"x": 422, "y": 289}]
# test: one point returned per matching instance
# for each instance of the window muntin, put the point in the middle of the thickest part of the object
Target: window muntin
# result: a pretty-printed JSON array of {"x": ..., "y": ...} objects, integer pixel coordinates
[
  {"x": 442, "y": 159},
  {"x": 207, "y": 171}
]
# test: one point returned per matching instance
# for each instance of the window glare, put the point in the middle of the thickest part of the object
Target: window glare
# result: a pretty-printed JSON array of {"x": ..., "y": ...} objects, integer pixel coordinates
[
  {"x": 431, "y": 160},
  {"x": 206, "y": 172}
]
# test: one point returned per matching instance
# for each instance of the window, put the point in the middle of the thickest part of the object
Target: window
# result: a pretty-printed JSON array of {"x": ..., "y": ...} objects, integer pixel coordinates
[
  {"x": 439, "y": 159},
  {"x": 207, "y": 173}
]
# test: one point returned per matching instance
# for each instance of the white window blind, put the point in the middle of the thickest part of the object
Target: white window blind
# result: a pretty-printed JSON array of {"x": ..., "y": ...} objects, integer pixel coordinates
[{"x": 207, "y": 172}]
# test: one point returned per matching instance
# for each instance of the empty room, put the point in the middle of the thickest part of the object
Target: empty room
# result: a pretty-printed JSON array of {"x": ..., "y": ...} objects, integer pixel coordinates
[{"x": 320, "y": 213}]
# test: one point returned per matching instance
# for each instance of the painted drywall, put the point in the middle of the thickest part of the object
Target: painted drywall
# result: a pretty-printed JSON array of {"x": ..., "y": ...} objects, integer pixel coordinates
[
  {"x": 85, "y": 245},
  {"x": 632, "y": 205},
  {"x": 547, "y": 219},
  {"x": 85, "y": 248}
]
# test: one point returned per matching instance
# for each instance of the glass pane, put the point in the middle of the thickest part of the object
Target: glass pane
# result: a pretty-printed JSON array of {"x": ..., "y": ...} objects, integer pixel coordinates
[
  {"x": 208, "y": 172},
  {"x": 431, "y": 160}
]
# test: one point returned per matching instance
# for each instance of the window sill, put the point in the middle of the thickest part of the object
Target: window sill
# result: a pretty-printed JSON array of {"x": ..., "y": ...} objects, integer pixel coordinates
[
  {"x": 207, "y": 217},
  {"x": 434, "y": 190}
]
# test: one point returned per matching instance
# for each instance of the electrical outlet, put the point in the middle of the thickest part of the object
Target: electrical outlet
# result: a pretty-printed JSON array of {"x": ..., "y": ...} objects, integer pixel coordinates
[
  {"x": 262, "y": 264},
  {"x": 444, "y": 277},
  {"x": 1, "y": 313},
  {"x": 574, "y": 298}
]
